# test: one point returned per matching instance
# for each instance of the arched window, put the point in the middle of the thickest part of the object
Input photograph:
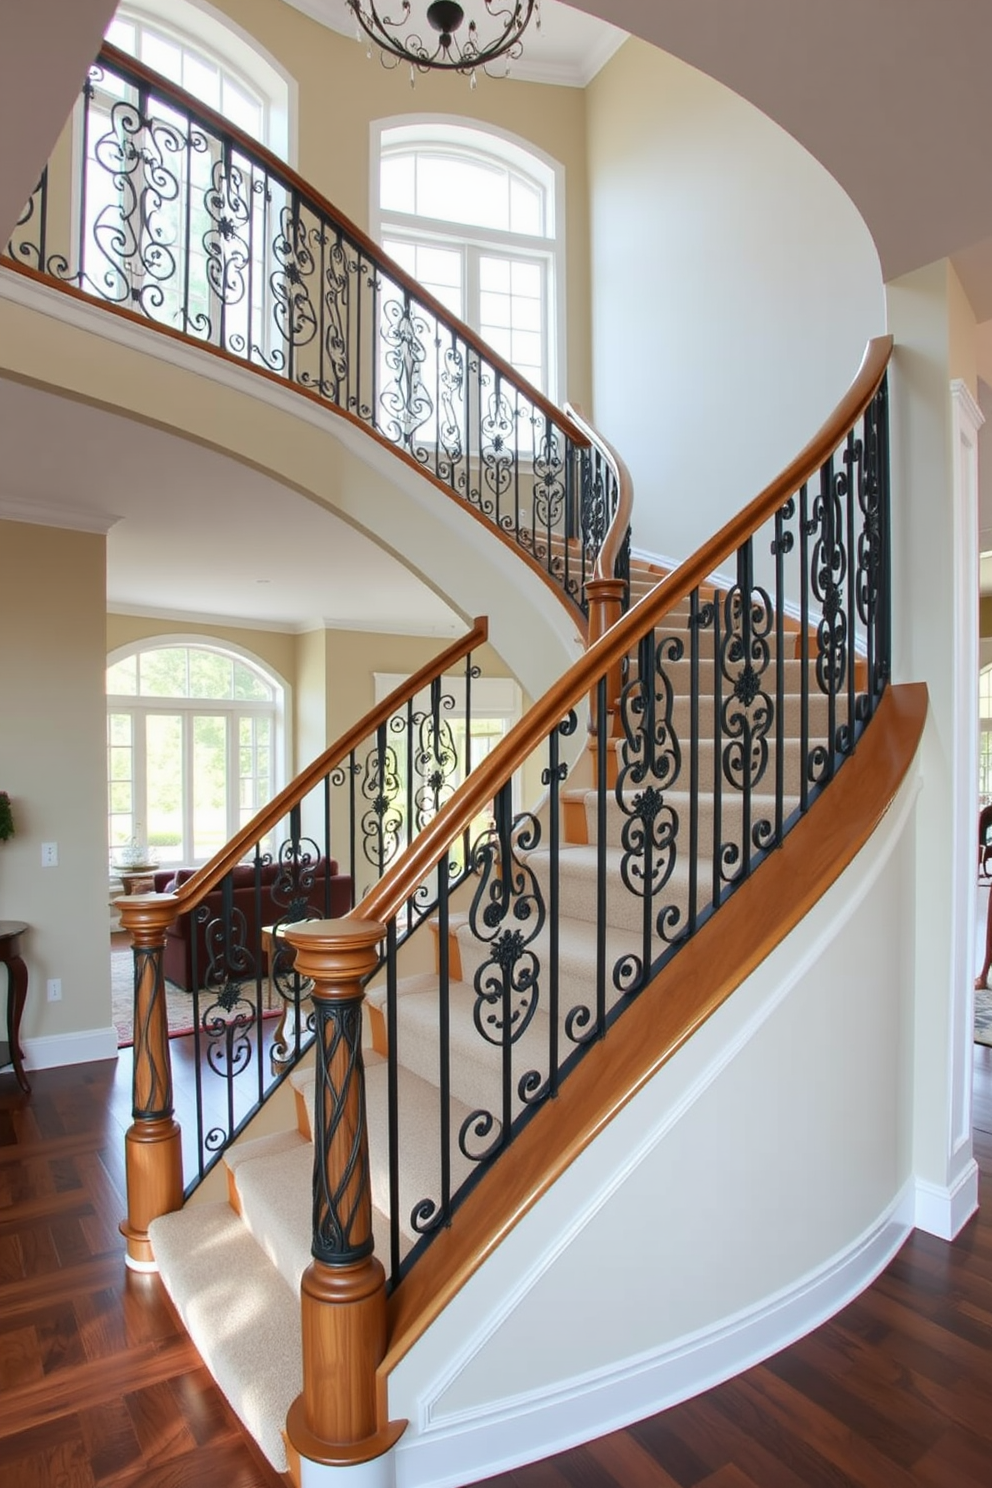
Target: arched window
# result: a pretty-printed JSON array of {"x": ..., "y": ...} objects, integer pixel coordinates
[
  {"x": 209, "y": 56},
  {"x": 475, "y": 216},
  {"x": 194, "y": 746}
]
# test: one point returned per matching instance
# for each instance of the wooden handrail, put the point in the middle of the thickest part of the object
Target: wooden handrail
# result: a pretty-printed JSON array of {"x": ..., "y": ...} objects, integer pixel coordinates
[
  {"x": 189, "y": 894},
  {"x": 123, "y": 61},
  {"x": 616, "y": 533},
  {"x": 386, "y": 899}
]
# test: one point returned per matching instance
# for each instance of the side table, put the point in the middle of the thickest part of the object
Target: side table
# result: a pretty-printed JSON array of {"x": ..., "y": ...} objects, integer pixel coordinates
[
  {"x": 137, "y": 880},
  {"x": 17, "y": 991}
]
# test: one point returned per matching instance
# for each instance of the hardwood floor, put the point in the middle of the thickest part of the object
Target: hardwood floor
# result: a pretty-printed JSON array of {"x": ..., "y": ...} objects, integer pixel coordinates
[{"x": 100, "y": 1388}]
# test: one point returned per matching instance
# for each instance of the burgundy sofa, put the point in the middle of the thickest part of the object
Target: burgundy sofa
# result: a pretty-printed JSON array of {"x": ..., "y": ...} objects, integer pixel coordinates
[{"x": 178, "y": 959}]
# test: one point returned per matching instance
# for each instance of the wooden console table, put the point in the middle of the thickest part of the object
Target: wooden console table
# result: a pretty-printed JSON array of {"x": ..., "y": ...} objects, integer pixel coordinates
[{"x": 17, "y": 991}]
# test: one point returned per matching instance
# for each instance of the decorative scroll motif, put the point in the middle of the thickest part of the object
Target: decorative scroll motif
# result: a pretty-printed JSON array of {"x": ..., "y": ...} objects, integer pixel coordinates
[
  {"x": 230, "y": 1015},
  {"x": 450, "y": 414},
  {"x": 138, "y": 233},
  {"x": 507, "y": 915},
  {"x": 296, "y": 891},
  {"x": 382, "y": 822},
  {"x": 595, "y": 504},
  {"x": 435, "y": 759},
  {"x": 295, "y": 316},
  {"x": 549, "y": 478},
  {"x": 746, "y": 709},
  {"x": 152, "y": 1077},
  {"x": 499, "y": 445},
  {"x": 870, "y": 489},
  {"x": 342, "y": 1229},
  {"x": 405, "y": 400},
  {"x": 651, "y": 761},
  {"x": 332, "y": 380},
  {"x": 227, "y": 242},
  {"x": 827, "y": 577}
]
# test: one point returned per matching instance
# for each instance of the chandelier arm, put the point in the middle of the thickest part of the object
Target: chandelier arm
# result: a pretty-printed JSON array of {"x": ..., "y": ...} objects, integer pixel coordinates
[{"x": 449, "y": 55}]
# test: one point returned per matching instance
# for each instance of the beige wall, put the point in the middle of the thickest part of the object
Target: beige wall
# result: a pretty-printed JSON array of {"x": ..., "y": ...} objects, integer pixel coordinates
[
  {"x": 53, "y": 765},
  {"x": 734, "y": 288}
]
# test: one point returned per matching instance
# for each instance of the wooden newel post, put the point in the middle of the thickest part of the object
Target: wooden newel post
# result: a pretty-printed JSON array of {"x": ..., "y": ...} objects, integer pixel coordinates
[
  {"x": 605, "y": 598},
  {"x": 337, "y": 1420},
  {"x": 153, "y": 1143}
]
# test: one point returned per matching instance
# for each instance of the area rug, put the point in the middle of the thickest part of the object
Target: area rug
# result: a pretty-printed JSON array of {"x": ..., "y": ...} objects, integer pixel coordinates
[
  {"x": 983, "y": 1016},
  {"x": 178, "y": 1003}
]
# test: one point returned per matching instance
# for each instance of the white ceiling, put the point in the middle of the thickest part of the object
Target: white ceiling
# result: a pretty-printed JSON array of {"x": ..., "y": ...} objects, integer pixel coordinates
[
  {"x": 283, "y": 562},
  {"x": 561, "y": 45}
]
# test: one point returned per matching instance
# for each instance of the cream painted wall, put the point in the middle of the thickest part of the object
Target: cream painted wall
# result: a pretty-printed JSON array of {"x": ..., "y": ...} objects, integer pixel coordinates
[
  {"x": 340, "y": 90},
  {"x": 53, "y": 765},
  {"x": 734, "y": 288}
]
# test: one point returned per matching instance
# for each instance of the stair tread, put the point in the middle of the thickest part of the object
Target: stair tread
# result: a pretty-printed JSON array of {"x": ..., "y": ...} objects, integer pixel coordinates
[{"x": 239, "y": 1311}]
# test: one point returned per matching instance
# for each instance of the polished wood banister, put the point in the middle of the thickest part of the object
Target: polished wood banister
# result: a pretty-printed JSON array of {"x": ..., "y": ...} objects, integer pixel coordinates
[
  {"x": 606, "y": 558},
  {"x": 314, "y": 198},
  {"x": 189, "y": 894},
  {"x": 386, "y": 899}
]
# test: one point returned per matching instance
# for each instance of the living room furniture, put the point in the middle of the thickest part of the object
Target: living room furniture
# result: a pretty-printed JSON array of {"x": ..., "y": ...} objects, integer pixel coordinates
[
  {"x": 329, "y": 895},
  {"x": 17, "y": 992}
]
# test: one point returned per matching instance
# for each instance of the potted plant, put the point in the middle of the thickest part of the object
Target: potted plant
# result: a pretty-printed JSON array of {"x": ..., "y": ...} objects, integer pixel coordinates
[{"x": 6, "y": 817}]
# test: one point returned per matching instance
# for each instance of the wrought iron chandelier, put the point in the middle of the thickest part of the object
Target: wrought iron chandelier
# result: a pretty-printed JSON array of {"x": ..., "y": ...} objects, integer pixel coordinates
[{"x": 452, "y": 48}]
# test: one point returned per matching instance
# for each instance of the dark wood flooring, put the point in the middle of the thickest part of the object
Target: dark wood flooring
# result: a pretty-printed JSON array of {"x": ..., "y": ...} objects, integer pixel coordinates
[{"x": 100, "y": 1388}]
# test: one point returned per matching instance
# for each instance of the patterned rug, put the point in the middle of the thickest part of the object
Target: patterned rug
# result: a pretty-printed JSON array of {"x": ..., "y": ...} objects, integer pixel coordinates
[
  {"x": 179, "y": 1004},
  {"x": 983, "y": 1017}
]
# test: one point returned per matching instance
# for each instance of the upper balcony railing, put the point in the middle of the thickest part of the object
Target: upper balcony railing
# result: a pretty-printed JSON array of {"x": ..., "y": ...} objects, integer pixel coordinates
[{"x": 171, "y": 215}]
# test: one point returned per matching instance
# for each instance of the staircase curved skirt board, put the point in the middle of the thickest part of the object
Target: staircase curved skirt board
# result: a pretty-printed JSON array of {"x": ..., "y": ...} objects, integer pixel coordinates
[{"x": 762, "y": 1168}]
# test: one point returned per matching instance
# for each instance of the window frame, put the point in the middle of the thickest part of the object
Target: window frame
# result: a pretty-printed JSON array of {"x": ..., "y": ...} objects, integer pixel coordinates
[
  {"x": 456, "y": 135},
  {"x": 139, "y": 708}
]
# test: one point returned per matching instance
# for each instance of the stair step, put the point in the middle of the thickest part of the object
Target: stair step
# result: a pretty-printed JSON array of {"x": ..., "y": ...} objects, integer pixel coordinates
[
  {"x": 475, "y": 1061},
  {"x": 731, "y": 814},
  {"x": 239, "y": 1311}
]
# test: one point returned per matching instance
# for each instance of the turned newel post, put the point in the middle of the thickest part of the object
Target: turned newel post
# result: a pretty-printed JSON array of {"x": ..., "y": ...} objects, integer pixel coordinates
[
  {"x": 336, "y": 1420},
  {"x": 605, "y": 598},
  {"x": 153, "y": 1143}
]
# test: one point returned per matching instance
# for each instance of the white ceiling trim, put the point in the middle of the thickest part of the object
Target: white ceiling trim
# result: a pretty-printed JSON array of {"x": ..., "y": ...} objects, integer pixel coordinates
[{"x": 51, "y": 514}]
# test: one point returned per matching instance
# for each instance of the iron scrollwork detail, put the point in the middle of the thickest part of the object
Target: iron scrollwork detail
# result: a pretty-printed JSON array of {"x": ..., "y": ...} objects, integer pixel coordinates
[
  {"x": 507, "y": 915},
  {"x": 651, "y": 762}
]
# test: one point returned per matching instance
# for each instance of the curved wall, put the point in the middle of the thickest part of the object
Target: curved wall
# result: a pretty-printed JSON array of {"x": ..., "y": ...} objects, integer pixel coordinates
[
  {"x": 734, "y": 286},
  {"x": 760, "y": 1180}
]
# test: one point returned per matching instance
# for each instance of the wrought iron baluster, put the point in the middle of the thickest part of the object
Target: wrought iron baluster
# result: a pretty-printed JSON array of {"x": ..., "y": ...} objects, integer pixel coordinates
[
  {"x": 694, "y": 623},
  {"x": 392, "y": 1097},
  {"x": 805, "y": 532},
  {"x": 853, "y": 456}
]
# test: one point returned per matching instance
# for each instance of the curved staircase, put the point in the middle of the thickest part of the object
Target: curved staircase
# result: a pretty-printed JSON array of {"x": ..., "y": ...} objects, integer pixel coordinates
[{"x": 721, "y": 707}]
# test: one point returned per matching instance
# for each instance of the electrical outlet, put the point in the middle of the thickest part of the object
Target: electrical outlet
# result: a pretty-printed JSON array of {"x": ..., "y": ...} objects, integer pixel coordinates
[
  {"x": 49, "y": 855},
  {"x": 55, "y": 989}
]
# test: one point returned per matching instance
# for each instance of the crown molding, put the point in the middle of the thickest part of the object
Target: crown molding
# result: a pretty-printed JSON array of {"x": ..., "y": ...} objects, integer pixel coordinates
[{"x": 52, "y": 514}]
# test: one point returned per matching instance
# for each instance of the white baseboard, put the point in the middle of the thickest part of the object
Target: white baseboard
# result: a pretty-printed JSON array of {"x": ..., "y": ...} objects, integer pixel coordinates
[
  {"x": 944, "y": 1212},
  {"x": 464, "y": 1447},
  {"x": 52, "y": 1050}
]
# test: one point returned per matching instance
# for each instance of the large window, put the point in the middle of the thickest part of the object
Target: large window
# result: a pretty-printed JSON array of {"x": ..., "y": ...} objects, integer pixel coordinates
[
  {"x": 194, "y": 748},
  {"x": 475, "y": 217},
  {"x": 985, "y": 737},
  {"x": 213, "y": 59}
]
